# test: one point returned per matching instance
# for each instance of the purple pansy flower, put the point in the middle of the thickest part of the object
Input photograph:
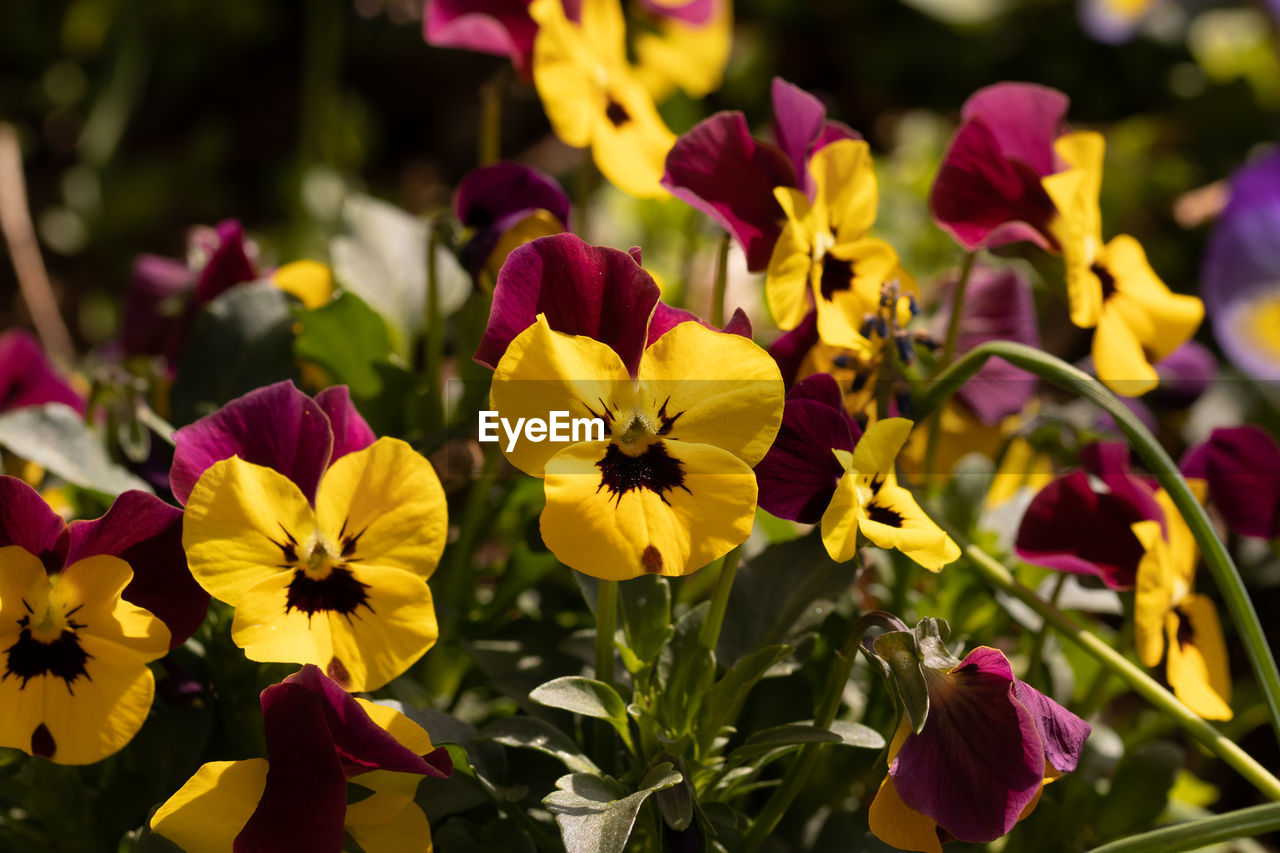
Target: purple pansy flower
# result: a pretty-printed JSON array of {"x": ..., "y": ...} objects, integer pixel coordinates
[
  {"x": 166, "y": 294},
  {"x": 494, "y": 200},
  {"x": 500, "y": 27},
  {"x": 1242, "y": 468},
  {"x": 998, "y": 306},
  {"x": 278, "y": 427},
  {"x": 988, "y": 191},
  {"x": 26, "y": 376},
  {"x": 1240, "y": 279},
  {"x": 720, "y": 169},
  {"x": 1071, "y": 526},
  {"x": 139, "y": 529},
  {"x": 583, "y": 290}
]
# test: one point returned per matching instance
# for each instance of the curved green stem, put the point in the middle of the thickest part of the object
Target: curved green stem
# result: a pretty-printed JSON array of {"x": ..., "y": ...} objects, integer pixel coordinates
[
  {"x": 1158, "y": 463},
  {"x": 709, "y": 635},
  {"x": 1195, "y": 834},
  {"x": 948, "y": 353},
  {"x": 721, "y": 283},
  {"x": 995, "y": 573}
]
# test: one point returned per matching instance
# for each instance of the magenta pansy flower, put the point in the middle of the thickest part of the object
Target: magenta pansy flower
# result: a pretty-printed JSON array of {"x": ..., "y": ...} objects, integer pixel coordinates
[
  {"x": 506, "y": 200},
  {"x": 988, "y": 192},
  {"x": 720, "y": 169},
  {"x": 1242, "y": 468},
  {"x": 1071, "y": 526},
  {"x": 500, "y": 27},
  {"x": 26, "y": 376}
]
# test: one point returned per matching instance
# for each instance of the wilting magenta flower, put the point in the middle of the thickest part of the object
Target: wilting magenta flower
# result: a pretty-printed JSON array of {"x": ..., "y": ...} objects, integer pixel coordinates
[
  {"x": 583, "y": 290},
  {"x": 500, "y": 27},
  {"x": 720, "y": 169},
  {"x": 26, "y": 376},
  {"x": 139, "y": 529},
  {"x": 1240, "y": 279},
  {"x": 506, "y": 204},
  {"x": 988, "y": 190},
  {"x": 987, "y": 746},
  {"x": 997, "y": 307},
  {"x": 166, "y": 294},
  {"x": 1072, "y": 527},
  {"x": 1242, "y": 468}
]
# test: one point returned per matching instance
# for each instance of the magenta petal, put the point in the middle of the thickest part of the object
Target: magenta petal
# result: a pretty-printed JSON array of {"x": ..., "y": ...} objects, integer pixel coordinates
[
  {"x": 582, "y": 289},
  {"x": 666, "y": 318},
  {"x": 978, "y": 761},
  {"x": 1242, "y": 466},
  {"x": 227, "y": 265},
  {"x": 277, "y": 426},
  {"x": 1024, "y": 118},
  {"x": 720, "y": 170},
  {"x": 801, "y": 128},
  {"x": 500, "y": 27},
  {"x": 791, "y": 348},
  {"x": 146, "y": 533},
  {"x": 26, "y": 376},
  {"x": 158, "y": 292},
  {"x": 351, "y": 432},
  {"x": 30, "y": 523},
  {"x": 1061, "y": 732},
  {"x": 1109, "y": 462},
  {"x": 492, "y": 199},
  {"x": 798, "y": 476}
]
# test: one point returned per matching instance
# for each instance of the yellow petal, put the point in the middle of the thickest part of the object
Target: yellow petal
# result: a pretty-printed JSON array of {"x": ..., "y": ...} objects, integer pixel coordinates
[
  {"x": 879, "y": 446},
  {"x": 94, "y": 585},
  {"x": 898, "y": 825},
  {"x": 235, "y": 524},
  {"x": 562, "y": 74},
  {"x": 786, "y": 284},
  {"x": 389, "y": 498},
  {"x": 374, "y": 644},
  {"x": 841, "y": 517},
  {"x": 680, "y": 54},
  {"x": 1075, "y": 194},
  {"x": 1153, "y": 593},
  {"x": 845, "y": 184},
  {"x": 1197, "y": 669},
  {"x": 630, "y": 140},
  {"x": 210, "y": 810},
  {"x": 544, "y": 371},
  {"x": 1161, "y": 320},
  {"x": 722, "y": 389},
  {"x": 1118, "y": 357},
  {"x": 637, "y": 531},
  {"x": 310, "y": 281},
  {"x": 540, "y": 223},
  {"x": 269, "y": 631},
  {"x": 405, "y": 832},
  {"x": 413, "y": 736},
  {"x": 893, "y": 519},
  {"x": 841, "y": 312}
]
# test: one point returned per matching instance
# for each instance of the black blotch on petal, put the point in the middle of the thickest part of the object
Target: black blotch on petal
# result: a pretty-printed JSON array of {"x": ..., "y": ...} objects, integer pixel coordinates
[
  {"x": 884, "y": 515},
  {"x": 837, "y": 275},
  {"x": 338, "y": 592},
  {"x": 1108, "y": 280},
  {"x": 1186, "y": 633},
  {"x": 63, "y": 658},
  {"x": 616, "y": 113},
  {"x": 654, "y": 469},
  {"x": 337, "y": 670},
  {"x": 42, "y": 743}
]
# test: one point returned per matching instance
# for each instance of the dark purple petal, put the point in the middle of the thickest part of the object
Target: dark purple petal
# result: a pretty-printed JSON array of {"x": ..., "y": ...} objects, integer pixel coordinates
[
  {"x": 351, "y": 432},
  {"x": 798, "y": 476},
  {"x": 988, "y": 192},
  {"x": 1069, "y": 527},
  {"x": 801, "y": 127},
  {"x": 666, "y": 318},
  {"x": 1185, "y": 374},
  {"x": 30, "y": 523},
  {"x": 277, "y": 426},
  {"x": 998, "y": 306},
  {"x": 492, "y": 199},
  {"x": 1061, "y": 732},
  {"x": 228, "y": 263},
  {"x": 146, "y": 533},
  {"x": 26, "y": 376},
  {"x": 790, "y": 349},
  {"x": 1109, "y": 462},
  {"x": 720, "y": 170},
  {"x": 978, "y": 761},
  {"x": 695, "y": 13},
  {"x": 582, "y": 289},
  {"x": 499, "y": 27},
  {"x": 158, "y": 294},
  {"x": 1242, "y": 466}
]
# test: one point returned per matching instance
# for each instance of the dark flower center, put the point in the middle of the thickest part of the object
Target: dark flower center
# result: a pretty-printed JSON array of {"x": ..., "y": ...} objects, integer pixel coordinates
[
  {"x": 616, "y": 113},
  {"x": 884, "y": 515},
  {"x": 1186, "y": 633},
  {"x": 337, "y": 592},
  {"x": 837, "y": 275},
  {"x": 1108, "y": 280},
  {"x": 653, "y": 469},
  {"x": 61, "y": 657}
]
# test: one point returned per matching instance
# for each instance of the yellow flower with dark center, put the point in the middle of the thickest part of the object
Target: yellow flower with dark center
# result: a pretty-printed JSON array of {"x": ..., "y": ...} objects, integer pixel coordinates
[
  {"x": 1174, "y": 623},
  {"x": 670, "y": 488},
  {"x": 868, "y": 500},
  {"x": 341, "y": 584},
  {"x": 593, "y": 97},
  {"x": 824, "y": 257},
  {"x": 76, "y": 687},
  {"x": 1112, "y": 287}
]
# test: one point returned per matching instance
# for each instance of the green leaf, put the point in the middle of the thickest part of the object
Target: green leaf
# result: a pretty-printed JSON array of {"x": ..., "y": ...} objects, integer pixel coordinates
[
  {"x": 56, "y": 438},
  {"x": 346, "y": 337},
  {"x": 539, "y": 735},
  {"x": 587, "y": 697},
  {"x": 646, "y": 615},
  {"x": 798, "y": 734},
  {"x": 1198, "y": 834},
  {"x": 899, "y": 653},
  {"x": 592, "y": 816},
  {"x": 1140, "y": 789}
]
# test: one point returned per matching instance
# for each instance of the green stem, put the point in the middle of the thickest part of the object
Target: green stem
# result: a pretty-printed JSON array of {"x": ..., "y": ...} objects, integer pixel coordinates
[
  {"x": 1158, "y": 463},
  {"x": 722, "y": 282},
  {"x": 1193, "y": 835},
  {"x": 1037, "y": 646},
  {"x": 948, "y": 353},
  {"x": 491, "y": 93},
  {"x": 709, "y": 636},
  {"x": 606, "y": 627},
  {"x": 995, "y": 573}
]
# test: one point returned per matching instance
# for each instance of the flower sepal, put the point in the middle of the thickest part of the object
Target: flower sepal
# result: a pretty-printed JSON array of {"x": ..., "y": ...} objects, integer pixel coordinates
[{"x": 903, "y": 658}]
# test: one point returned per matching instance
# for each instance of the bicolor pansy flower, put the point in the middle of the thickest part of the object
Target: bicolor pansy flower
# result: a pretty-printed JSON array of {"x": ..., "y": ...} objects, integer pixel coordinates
[
  {"x": 506, "y": 205},
  {"x": 987, "y": 747},
  {"x": 84, "y": 608},
  {"x": 720, "y": 169},
  {"x": 823, "y": 468},
  {"x": 1174, "y": 624},
  {"x": 824, "y": 257},
  {"x": 1240, "y": 467},
  {"x": 988, "y": 191},
  {"x": 323, "y": 746},
  {"x": 321, "y": 537},
  {"x": 1112, "y": 287},
  {"x": 1104, "y": 498},
  {"x": 593, "y": 97}
]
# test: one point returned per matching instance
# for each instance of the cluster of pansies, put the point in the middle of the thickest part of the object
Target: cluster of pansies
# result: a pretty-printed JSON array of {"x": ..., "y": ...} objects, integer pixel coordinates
[{"x": 304, "y": 538}]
